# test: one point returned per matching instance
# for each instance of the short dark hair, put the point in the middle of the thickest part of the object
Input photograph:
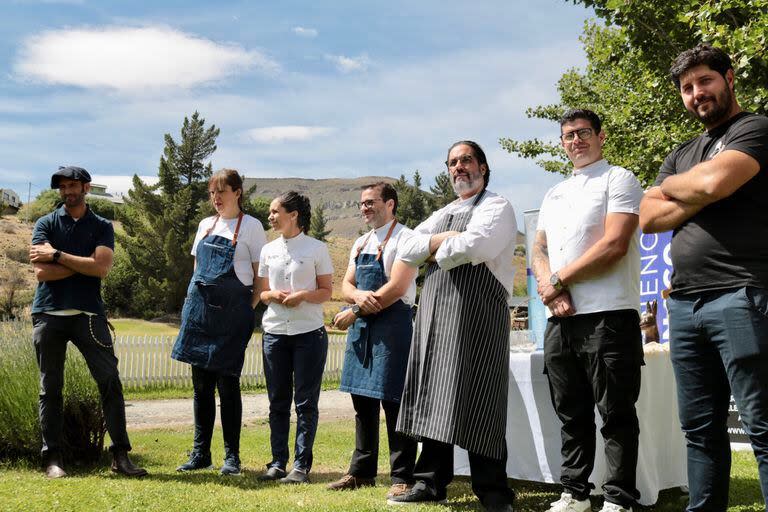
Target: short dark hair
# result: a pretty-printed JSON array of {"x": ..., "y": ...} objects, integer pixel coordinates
[
  {"x": 386, "y": 190},
  {"x": 478, "y": 153},
  {"x": 231, "y": 177},
  {"x": 581, "y": 113},
  {"x": 701, "y": 54},
  {"x": 292, "y": 201}
]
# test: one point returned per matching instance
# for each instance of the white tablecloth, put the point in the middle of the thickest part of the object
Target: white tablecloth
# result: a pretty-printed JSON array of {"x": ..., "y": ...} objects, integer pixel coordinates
[{"x": 533, "y": 429}]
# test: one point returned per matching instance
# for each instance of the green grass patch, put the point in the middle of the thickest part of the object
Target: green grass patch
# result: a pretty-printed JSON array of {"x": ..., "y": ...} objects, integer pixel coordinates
[
  {"x": 23, "y": 487},
  {"x": 135, "y": 327}
]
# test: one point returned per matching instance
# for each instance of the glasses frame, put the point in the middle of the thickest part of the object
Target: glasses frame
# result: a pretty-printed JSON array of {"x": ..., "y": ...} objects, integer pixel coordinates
[
  {"x": 368, "y": 203},
  {"x": 587, "y": 132},
  {"x": 464, "y": 159}
]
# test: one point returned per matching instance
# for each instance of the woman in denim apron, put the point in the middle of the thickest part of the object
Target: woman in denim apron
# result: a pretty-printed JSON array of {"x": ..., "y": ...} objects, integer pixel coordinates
[
  {"x": 296, "y": 276},
  {"x": 217, "y": 319}
]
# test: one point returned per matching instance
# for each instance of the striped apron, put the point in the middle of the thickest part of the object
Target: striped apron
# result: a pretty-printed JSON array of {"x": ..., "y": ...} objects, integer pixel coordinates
[{"x": 458, "y": 367}]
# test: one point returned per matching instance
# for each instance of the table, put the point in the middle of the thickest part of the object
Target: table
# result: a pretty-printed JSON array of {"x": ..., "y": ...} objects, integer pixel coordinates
[{"x": 533, "y": 429}]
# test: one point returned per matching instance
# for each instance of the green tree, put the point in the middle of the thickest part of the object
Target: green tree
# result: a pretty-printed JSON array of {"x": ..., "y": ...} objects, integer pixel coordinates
[
  {"x": 318, "y": 223},
  {"x": 442, "y": 191},
  {"x": 626, "y": 79},
  {"x": 160, "y": 220},
  {"x": 43, "y": 204},
  {"x": 413, "y": 204}
]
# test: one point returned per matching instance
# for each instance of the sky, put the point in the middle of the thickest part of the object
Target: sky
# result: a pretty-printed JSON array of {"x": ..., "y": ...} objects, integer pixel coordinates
[{"x": 338, "y": 88}]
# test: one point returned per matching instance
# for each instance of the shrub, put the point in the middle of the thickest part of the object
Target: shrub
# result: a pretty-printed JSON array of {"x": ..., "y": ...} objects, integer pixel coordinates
[
  {"x": 44, "y": 203},
  {"x": 19, "y": 383},
  {"x": 18, "y": 254}
]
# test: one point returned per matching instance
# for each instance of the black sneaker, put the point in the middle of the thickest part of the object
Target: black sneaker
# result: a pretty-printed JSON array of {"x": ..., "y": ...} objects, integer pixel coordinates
[
  {"x": 196, "y": 461},
  {"x": 296, "y": 476},
  {"x": 231, "y": 465},
  {"x": 417, "y": 494},
  {"x": 272, "y": 473}
]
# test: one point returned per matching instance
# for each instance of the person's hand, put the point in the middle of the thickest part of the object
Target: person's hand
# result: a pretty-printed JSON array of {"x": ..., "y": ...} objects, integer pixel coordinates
[
  {"x": 547, "y": 292},
  {"x": 41, "y": 253},
  {"x": 369, "y": 304},
  {"x": 344, "y": 319},
  {"x": 293, "y": 299},
  {"x": 562, "y": 305},
  {"x": 277, "y": 296}
]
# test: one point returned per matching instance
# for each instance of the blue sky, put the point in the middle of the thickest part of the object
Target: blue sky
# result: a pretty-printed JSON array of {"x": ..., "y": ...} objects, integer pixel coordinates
[{"x": 298, "y": 88}]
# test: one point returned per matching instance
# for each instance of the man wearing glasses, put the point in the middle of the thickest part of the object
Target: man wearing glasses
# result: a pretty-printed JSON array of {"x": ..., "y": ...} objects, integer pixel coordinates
[
  {"x": 458, "y": 369},
  {"x": 382, "y": 292},
  {"x": 586, "y": 261}
]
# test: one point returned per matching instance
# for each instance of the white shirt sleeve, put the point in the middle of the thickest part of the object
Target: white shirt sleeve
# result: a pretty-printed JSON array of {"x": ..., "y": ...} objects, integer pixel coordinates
[
  {"x": 323, "y": 263},
  {"x": 541, "y": 220},
  {"x": 201, "y": 228},
  {"x": 263, "y": 268},
  {"x": 256, "y": 240},
  {"x": 624, "y": 192},
  {"x": 488, "y": 232},
  {"x": 415, "y": 250}
]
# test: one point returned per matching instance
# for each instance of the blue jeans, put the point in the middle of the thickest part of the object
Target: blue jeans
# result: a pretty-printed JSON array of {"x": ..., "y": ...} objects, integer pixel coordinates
[
  {"x": 293, "y": 365},
  {"x": 719, "y": 346}
]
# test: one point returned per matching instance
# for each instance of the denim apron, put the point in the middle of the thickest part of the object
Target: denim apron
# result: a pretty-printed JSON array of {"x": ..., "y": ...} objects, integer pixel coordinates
[
  {"x": 458, "y": 371},
  {"x": 217, "y": 319},
  {"x": 377, "y": 345}
]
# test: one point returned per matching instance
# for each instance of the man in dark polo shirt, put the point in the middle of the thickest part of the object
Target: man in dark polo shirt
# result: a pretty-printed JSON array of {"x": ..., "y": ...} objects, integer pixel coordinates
[
  {"x": 711, "y": 191},
  {"x": 71, "y": 252}
]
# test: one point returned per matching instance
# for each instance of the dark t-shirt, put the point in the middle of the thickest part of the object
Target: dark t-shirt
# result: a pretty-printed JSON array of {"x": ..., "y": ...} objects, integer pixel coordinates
[
  {"x": 79, "y": 238},
  {"x": 725, "y": 245}
]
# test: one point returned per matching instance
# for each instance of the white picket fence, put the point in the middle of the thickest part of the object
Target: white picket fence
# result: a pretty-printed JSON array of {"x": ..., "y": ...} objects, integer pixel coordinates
[{"x": 146, "y": 361}]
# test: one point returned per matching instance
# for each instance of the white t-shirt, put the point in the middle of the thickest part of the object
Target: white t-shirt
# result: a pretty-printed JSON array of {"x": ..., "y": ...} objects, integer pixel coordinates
[
  {"x": 399, "y": 235},
  {"x": 573, "y": 216},
  {"x": 291, "y": 265},
  {"x": 489, "y": 238},
  {"x": 250, "y": 240}
]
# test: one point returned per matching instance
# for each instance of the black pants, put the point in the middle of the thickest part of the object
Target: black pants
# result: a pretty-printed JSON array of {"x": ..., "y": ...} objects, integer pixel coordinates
[
  {"x": 489, "y": 476},
  {"x": 205, "y": 384},
  {"x": 402, "y": 449},
  {"x": 91, "y": 336},
  {"x": 595, "y": 359}
]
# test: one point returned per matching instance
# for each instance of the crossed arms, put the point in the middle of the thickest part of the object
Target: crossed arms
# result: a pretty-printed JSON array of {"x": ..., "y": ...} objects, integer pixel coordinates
[{"x": 97, "y": 264}]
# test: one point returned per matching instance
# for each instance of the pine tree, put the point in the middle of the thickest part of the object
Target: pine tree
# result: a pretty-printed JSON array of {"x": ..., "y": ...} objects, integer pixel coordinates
[
  {"x": 160, "y": 220},
  {"x": 413, "y": 206},
  {"x": 443, "y": 192},
  {"x": 317, "y": 224}
]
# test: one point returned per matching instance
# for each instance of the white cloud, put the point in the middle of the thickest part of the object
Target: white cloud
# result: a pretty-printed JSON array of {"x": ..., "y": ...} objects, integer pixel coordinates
[
  {"x": 349, "y": 64},
  {"x": 305, "y": 32},
  {"x": 130, "y": 59},
  {"x": 275, "y": 134}
]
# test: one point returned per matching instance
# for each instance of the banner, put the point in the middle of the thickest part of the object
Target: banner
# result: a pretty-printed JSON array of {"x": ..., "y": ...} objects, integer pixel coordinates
[{"x": 655, "y": 276}]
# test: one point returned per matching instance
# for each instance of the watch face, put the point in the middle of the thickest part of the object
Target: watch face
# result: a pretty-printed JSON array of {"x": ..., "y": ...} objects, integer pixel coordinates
[
  {"x": 356, "y": 309},
  {"x": 554, "y": 279}
]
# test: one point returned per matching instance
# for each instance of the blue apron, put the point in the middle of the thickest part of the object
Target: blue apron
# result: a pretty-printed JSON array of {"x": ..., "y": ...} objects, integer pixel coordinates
[
  {"x": 217, "y": 319},
  {"x": 377, "y": 345}
]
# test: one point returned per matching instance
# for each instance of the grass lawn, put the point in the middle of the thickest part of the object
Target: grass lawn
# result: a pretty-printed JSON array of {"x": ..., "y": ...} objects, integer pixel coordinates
[
  {"x": 135, "y": 327},
  {"x": 23, "y": 487}
]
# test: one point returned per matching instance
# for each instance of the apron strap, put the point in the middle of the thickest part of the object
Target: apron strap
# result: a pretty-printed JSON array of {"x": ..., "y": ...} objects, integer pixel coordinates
[
  {"x": 237, "y": 227},
  {"x": 381, "y": 245}
]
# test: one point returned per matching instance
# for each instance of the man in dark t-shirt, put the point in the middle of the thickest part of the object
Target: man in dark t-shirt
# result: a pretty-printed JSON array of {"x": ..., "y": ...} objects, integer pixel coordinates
[
  {"x": 711, "y": 191},
  {"x": 71, "y": 252}
]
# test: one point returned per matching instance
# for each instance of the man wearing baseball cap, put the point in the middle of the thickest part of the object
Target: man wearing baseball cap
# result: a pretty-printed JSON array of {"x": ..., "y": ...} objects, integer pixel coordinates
[{"x": 71, "y": 252}]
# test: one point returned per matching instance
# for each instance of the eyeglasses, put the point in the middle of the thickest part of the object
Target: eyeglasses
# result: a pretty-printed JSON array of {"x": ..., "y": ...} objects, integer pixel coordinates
[
  {"x": 464, "y": 159},
  {"x": 583, "y": 133},
  {"x": 368, "y": 204}
]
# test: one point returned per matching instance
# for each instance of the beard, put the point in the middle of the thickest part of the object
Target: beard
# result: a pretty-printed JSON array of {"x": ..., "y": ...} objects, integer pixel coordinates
[
  {"x": 719, "y": 109},
  {"x": 462, "y": 187}
]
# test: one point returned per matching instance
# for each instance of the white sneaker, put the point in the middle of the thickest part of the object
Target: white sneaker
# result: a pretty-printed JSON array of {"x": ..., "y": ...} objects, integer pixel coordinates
[
  {"x": 612, "y": 507},
  {"x": 566, "y": 503}
]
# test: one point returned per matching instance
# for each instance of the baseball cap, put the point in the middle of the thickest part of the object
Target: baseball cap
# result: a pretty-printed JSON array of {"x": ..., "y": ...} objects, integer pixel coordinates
[{"x": 71, "y": 172}]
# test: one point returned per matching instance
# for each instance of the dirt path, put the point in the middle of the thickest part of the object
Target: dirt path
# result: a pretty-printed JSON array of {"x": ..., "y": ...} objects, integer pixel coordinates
[{"x": 146, "y": 414}]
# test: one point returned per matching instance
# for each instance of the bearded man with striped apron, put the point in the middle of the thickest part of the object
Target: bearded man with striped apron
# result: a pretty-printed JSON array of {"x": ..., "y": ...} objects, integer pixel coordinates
[{"x": 458, "y": 369}]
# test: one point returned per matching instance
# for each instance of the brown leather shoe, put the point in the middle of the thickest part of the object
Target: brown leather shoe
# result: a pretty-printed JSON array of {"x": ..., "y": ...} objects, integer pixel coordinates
[
  {"x": 122, "y": 464},
  {"x": 350, "y": 482},
  {"x": 54, "y": 468},
  {"x": 398, "y": 490}
]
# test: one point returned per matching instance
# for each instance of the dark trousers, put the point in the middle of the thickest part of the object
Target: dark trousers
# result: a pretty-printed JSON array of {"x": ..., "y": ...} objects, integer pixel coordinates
[
  {"x": 402, "y": 449},
  {"x": 595, "y": 359},
  {"x": 91, "y": 336},
  {"x": 293, "y": 367},
  {"x": 719, "y": 346},
  {"x": 205, "y": 384},
  {"x": 489, "y": 476}
]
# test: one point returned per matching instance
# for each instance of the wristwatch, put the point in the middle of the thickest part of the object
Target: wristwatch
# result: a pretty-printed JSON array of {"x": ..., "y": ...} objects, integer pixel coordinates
[
  {"x": 356, "y": 310},
  {"x": 56, "y": 256},
  {"x": 555, "y": 281}
]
